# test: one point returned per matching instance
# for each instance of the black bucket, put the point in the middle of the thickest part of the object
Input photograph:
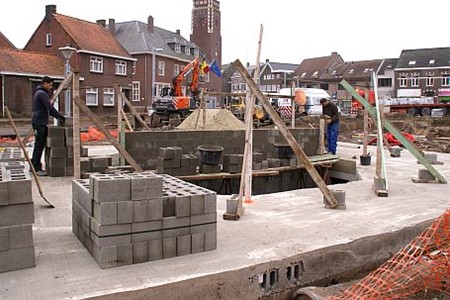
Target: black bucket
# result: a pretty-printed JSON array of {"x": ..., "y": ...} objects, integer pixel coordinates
[
  {"x": 210, "y": 154},
  {"x": 284, "y": 151},
  {"x": 365, "y": 160}
]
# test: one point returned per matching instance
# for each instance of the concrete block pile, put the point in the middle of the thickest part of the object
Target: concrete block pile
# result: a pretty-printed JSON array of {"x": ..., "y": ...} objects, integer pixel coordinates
[
  {"x": 132, "y": 218},
  {"x": 59, "y": 150},
  {"x": 11, "y": 154},
  {"x": 172, "y": 161},
  {"x": 16, "y": 219}
]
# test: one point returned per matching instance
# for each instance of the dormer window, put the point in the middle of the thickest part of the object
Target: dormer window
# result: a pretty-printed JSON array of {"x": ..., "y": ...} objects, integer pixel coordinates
[
  {"x": 412, "y": 62},
  {"x": 303, "y": 74},
  {"x": 196, "y": 52},
  {"x": 187, "y": 50},
  {"x": 351, "y": 71},
  {"x": 177, "y": 48},
  {"x": 431, "y": 62},
  {"x": 316, "y": 73}
]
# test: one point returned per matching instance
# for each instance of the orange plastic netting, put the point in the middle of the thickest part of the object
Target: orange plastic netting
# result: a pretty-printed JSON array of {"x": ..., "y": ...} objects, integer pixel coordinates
[
  {"x": 94, "y": 134},
  {"x": 423, "y": 265}
]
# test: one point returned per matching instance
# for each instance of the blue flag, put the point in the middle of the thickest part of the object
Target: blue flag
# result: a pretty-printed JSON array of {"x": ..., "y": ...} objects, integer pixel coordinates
[{"x": 214, "y": 67}]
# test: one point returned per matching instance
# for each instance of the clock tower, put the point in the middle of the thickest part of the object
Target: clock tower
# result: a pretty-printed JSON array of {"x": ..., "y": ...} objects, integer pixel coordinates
[{"x": 205, "y": 33}]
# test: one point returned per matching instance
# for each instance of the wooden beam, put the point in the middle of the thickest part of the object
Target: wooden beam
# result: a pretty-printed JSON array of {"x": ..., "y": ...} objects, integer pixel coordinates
[
  {"x": 108, "y": 135},
  {"x": 125, "y": 118},
  {"x": 132, "y": 109},
  {"x": 329, "y": 197},
  {"x": 398, "y": 135},
  {"x": 61, "y": 87},
  {"x": 76, "y": 127}
]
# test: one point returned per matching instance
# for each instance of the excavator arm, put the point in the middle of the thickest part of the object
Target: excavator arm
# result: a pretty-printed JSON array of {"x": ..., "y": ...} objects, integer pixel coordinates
[{"x": 193, "y": 66}]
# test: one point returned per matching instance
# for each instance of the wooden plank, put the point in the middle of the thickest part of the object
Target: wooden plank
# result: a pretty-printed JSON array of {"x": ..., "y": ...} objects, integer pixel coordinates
[
  {"x": 132, "y": 109},
  {"x": 125, "y": 118},
  {"x": 108, "y": 135},
  {"x": 321, "y": 136},
  {"x": 398, "y": 135},
  {"x": 331, "y": 200},
  {"x": 76, "y": 127}
]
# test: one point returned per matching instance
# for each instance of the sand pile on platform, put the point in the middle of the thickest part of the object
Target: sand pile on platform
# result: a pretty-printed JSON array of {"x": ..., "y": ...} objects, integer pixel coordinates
[{"x": 216, "y": 119}]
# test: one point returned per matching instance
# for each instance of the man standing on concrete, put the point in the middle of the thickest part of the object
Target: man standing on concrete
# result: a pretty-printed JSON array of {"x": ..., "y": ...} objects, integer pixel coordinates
[
  {"x": 331, "y": 113},
  {"x": 42, "y": 107}
]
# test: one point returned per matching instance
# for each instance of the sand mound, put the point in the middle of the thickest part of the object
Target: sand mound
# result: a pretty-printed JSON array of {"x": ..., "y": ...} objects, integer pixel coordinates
[{"x": 216, "y": 119}]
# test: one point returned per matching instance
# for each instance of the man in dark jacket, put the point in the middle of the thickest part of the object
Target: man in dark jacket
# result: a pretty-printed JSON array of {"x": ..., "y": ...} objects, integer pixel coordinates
[
  {"x": 42, "y": 107},
  {"x": 331, "y": 113}
]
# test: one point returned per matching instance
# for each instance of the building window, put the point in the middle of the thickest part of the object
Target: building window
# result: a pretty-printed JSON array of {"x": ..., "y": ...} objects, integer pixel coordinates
[
  {"x": 177, "y": 48},
  {"x": 161, "y": 66},
  {"x": 384, "y": 82},
  {"x": 445, "y": 80},
  {"x": 412, "y": 62},
  {"x": 121, "y": 67},
  {"x": 303, "y": 74},
  {"x": 429, "y": 81},
  {"x": 324, "y": 86},
  {"x": 315, "y": 73},
  {"x": 136, "y": 91},
  {"x": 187, "y": 50},
  {"x": 108, "y": 97},
  {"x": 415, "y": 80},
  {"x": 274, "y": 87},
  {"x": 96, "y": 64},
  {"x": 196, "y": 52},
  {"x": 403, "y": 82},
  {"x": 91, "y": 96},
  {"x": 176, "y": 70},
  {"x": 48, "y": 39}
]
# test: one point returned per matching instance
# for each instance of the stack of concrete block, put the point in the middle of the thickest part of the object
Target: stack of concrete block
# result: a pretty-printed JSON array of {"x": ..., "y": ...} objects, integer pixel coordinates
[
  {"x": 59, "y": 151},
  {"x": 232, "y": 163},
  {"x": 16, "y": 219},
  {"x": 138, "y": 217},
  {"x": 172, "y": 161},
  {"x": 11, "y": 154}
]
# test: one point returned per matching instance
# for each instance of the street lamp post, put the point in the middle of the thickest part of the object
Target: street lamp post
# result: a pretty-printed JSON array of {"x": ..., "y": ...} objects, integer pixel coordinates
[
  {"x": 154, "y": 70},
  {"x": 67, "y": 52}
]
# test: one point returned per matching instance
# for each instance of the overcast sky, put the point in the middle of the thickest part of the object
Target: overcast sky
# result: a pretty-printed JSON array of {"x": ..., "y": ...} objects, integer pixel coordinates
[{"x": 293, "y": 29}]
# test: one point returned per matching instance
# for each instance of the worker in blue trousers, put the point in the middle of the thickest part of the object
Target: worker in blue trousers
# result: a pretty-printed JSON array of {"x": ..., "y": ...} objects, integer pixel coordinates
[{"x": 331, "y": 113}]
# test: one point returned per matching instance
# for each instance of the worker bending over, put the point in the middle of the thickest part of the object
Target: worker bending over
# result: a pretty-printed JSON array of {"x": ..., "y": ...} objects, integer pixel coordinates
[{"x": 331, "y": 113}]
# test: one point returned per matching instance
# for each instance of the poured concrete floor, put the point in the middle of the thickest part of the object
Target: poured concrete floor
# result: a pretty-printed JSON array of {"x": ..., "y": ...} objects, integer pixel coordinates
[{"x": 277, "y": 233}]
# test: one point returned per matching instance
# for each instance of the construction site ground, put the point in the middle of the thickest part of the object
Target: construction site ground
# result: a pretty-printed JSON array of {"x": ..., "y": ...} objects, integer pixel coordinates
[{"x": 253, "y": 254}]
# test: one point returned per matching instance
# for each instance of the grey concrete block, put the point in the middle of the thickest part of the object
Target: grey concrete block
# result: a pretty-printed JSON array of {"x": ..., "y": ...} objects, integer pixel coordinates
[
  {"x": 146, "y": 226},
  {"x": 111, "y": 240},
  {"x": 169, "y": 206},
  {"x": 105, "y": 213},
  {"x": 20, "y": 236},
  {"x": 166, "y": 153},
  {"x": 146, "y": 236},
  {"x": 110, "y": 188},
  {"x": 204, "y": 219},
  {"x": 108, "y": 230},
  {"x": 169, "y": 247},
  {"x": 145, "y": 186},
  {"x": 124, "y": 212},
  {"x": 57, "y": 141},
  {"x": 155, "y": 250},
  {"x": 58, "y": 152},
  {"x": 19, "y": 187},
  {"x": 124, "y": 254},
  {"x": 197, "y": 204},
  {"x": 204, "y": 228},
  {"x": 140, "y": 211},
  {"x": 210, "y": 202},
  {"x": 16, "y": 259},
  {"x": 198, "y": 242},
  {"x": 4, "y": 197},
  {"x": 168, "y": 233},
  {"x": 106, "y": 257},
  {"x": 18, "y": 214},
  {"x": 183, "y": 245},
  {"x": 155, "y": 209},
  {"x": 424, "y": 174},
  {"x": 55, "y": 131},
  {"x": 4, "y": 239},
  {"x": 174, "y": 222},
  {"x": 210, "y": 240},
  {"x": 140, "y": 252},
  {"x": 182, "y": 205}
]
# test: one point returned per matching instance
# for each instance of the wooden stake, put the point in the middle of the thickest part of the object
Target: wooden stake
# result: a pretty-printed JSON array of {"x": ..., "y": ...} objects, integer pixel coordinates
[
  {"x": 329, "y": 197},
  {"x": 125, "y": 118},
  {"x": 132, "y": 109},
  {"x": 321, "y": 136},
  {"x": 76, "y": 127}
]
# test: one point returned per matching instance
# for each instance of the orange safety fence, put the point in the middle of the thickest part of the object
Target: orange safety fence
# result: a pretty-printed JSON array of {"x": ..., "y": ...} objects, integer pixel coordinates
[
  {"x": 423, "y": 265},
  {"x": 392, "y": 140},
  {"x": 94, "y": 134}
]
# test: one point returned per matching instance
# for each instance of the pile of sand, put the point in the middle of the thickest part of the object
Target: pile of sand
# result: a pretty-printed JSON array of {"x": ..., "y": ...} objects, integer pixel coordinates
[{"x": 216, "y": 119}]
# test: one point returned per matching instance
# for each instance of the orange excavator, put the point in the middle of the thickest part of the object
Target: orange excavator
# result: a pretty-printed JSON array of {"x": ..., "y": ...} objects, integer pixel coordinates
[{"x": 171, "y": 106}]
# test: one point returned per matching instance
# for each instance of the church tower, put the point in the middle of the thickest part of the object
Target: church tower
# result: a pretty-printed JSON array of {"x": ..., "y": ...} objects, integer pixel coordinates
[{"x": 205, "y": 33}]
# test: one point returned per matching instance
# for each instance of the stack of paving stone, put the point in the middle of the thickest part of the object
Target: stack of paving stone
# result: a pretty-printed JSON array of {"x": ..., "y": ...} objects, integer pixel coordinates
[
  {"x": 59, "y": 151},
  {"x": 138, "y": 217},
  {"x": 172, "y": 161},
  {"x": 16, "y": 218}
]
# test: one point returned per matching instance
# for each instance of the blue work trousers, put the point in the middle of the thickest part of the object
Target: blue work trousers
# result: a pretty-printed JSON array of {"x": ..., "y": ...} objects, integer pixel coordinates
[{"x": 332, "y": 136}]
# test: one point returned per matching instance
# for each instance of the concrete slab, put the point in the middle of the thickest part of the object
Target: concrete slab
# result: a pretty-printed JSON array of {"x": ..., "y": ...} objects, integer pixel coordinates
[{"x": 255, "y": 256}]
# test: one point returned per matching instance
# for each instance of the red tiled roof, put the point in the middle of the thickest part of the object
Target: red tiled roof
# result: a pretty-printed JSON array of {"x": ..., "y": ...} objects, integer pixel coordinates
[
  {"x": 5, "y": 43},
  {"x": 27, "y": 62},
  {"x": 91, "y": 36}
]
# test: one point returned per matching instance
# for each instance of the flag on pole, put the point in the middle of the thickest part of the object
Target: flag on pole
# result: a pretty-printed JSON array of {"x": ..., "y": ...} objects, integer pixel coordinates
[
  {"x": 204, "y": 67},
  {"x": 214, "y": 67}
]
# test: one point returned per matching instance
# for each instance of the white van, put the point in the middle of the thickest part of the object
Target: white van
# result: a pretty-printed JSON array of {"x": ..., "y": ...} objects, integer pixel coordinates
[{"x": 308, "y": 99}]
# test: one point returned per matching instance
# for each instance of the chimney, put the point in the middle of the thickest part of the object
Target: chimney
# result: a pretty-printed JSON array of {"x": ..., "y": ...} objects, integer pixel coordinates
[
  {"x": 178, "y": 31},
  {"x": 112, "y": 26},
  {"x": 150, "y": 27},
  {"x": 247, "y": 64},
  {"x": 267, "y": 60},
  {"x": 101, "y": 22},
  {"x": 49, "y": 11}
]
